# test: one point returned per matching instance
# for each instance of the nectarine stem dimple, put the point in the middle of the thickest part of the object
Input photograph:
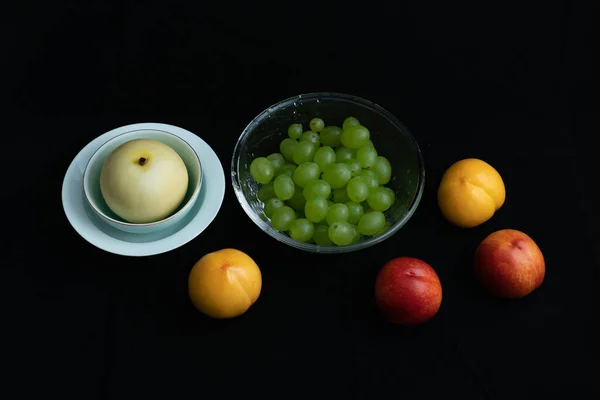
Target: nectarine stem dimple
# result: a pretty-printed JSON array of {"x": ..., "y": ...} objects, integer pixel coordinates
[
  {"x": 142, "y": 161},
  {"x": 518, "y": 243}
]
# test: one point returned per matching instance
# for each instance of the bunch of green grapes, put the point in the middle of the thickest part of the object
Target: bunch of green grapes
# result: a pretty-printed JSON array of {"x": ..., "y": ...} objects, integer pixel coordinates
[{"x": 326, "y": 185}]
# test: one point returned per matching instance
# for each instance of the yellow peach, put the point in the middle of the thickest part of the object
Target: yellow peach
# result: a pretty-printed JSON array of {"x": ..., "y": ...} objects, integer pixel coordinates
[
  {"x": 224, "y": 283},
  {"x": 470, "y": 192}
]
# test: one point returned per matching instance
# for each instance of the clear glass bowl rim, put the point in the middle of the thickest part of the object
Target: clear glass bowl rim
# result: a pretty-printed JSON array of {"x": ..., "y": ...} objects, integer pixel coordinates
[{"x": 310, "y": 247}]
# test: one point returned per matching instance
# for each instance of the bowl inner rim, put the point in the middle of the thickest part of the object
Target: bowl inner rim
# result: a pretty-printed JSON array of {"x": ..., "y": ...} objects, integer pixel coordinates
[{"x": 129, "y": 224}]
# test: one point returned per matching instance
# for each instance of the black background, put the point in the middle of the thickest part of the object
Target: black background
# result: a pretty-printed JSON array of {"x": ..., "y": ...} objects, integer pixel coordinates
[{"x": 510, "y": 85}]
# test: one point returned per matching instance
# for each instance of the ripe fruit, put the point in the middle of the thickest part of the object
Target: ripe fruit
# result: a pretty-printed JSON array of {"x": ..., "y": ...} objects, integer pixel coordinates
[
  {"x": 408, "y": 291},
  {"x": 509, "y": 264},
  {"x": 225, "y": 283},
  {"x": 143, "y": 181},
  {"x": 470, "y": 192}
]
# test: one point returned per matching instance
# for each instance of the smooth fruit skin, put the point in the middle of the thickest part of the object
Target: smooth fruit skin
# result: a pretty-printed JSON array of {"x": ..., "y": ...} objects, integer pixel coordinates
[
  {"x": 224, "y": 284},
  {"x": 509, "y": 264},
  {"x": 147, "y": 191},
  {"x": 470, "y": 192},
  {"x": 408, "y": 291}
]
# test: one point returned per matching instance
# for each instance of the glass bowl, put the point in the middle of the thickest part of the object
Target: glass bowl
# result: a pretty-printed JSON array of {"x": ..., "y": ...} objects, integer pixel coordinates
[{"x": 390, "y": 137}]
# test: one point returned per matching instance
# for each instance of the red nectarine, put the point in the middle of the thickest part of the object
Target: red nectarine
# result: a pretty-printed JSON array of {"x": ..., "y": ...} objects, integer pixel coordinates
[
  {"x": 408, "y": 291},
  {"x": 509, "y": 264}
]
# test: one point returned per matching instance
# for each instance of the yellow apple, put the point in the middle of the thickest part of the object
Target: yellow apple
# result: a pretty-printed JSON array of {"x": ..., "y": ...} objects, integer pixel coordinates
[{"x": 143, "y": 181}]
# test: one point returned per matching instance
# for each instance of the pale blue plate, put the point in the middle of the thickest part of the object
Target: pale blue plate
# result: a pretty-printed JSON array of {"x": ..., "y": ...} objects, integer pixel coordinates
[{"x": 107, "y": 238}]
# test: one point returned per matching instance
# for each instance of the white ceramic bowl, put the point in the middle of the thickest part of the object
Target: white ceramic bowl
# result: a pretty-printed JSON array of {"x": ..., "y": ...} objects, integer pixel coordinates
[{"x": 91, "y": 180}]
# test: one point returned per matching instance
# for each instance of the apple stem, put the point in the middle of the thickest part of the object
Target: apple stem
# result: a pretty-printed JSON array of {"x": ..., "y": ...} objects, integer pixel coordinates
[{"x": 142, "y": 161}]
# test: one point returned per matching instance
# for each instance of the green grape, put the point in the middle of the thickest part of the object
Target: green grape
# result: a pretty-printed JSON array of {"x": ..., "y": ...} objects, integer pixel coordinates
[
  {"x": 284, "y": 187},
  {"x": 321, "y": 235},
  {"x": 381, "y": 198},
  {"x": 304, "y": 152},
  {"x": 262, "y": 170},
  {"x": 370, "y": 143},
  {"x": 340, "y": 195},
  {"x": 317, "y": 188},
  {"x": 355, "y": 211},
  {"x": 366, "y": 208},
  {"x": 282, "y": 218},
  {"x": 391, "y": 194},
  {"x": 286, "y": 169},
  {"x": 337, "y": 213},
  {"x": 382, "y": 169},
  {"x": 295, "y": 130},
  {"x": 355, "y": 136},
  {"x": 330, "y": 203},
  {"x": 354, "y": 165},
  {"x": 331, "y": 136},
  {"x": 300, "y": 214},
  {"x": 271, "y": 205},
  {"x": 311, "y": 137},
  {"x": 277, "y": 160},
  {"x": 369, "y": 178},
  {"x": 297, "y": 201},
  {"x": 316, "y": 124},
  {"x": 266, "y": 192},
  {"x": 366, "y": 156},
  {"x": 337, "y": 175},
  {"x": 357, "y": 189},
  {"x": 302, "y": 230},
  {"x": 357, "y": 235},
  {"x": 305, "y": 173},
  {"x": 341, "y": 233},
  {"x": 350, "y": 121},
  {"x": 316, "y": 209},
  {"x": 324, "y": 156},
  {"x": 286, "y": 147},
  {"x": 371, "y": 223},
  {"x": 343, "y": 153},
  {"x": 384, "y": 229}
]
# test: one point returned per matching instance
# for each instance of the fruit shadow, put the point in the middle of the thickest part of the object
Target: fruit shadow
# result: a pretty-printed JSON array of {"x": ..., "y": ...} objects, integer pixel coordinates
[
  {"x": 360, "y": 313},
  {"x": 172, "y": 305}
]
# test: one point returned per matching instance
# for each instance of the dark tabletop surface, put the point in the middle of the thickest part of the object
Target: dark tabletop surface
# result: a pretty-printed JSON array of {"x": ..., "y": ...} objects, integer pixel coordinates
[{"x": 507, "y": 85}]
